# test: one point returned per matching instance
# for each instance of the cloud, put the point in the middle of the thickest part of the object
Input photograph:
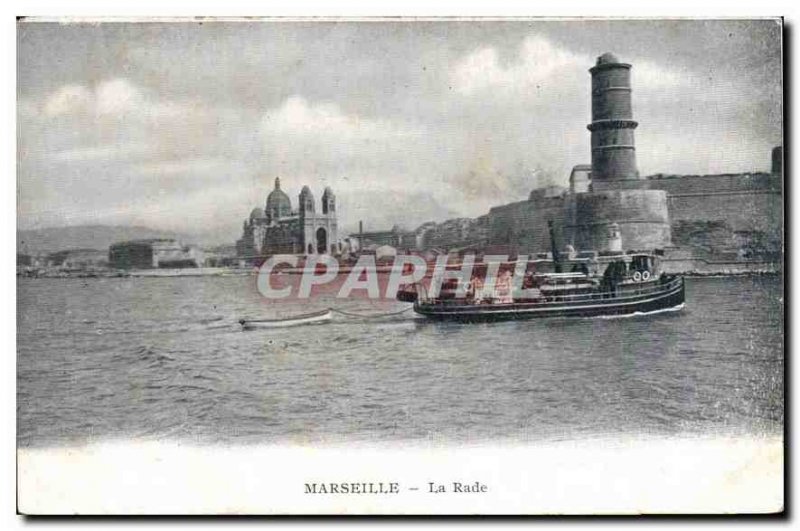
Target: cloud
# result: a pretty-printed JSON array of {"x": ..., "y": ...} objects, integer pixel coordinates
[
  {"x": 118, "y": 96},
  {"x": 538, "y": 61},
  {"x": 297, "y": 117},
  {"x": 183, "y": 167},
  {"x": 112, "y": 97},
  {"x": 68, "y": 99},
  {"x": 460, "y": 162},
  {"x": 319, "y": 142},
  {"x": 114, "y": 151},
  {"x": 117, "y": 119},
  {"x": 647, "y": 75},
  {"x": 100, "y": 153}
]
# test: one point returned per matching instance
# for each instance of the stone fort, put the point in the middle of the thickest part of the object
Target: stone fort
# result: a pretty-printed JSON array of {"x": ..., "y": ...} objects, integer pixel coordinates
[{"x": 726, "y": 218}]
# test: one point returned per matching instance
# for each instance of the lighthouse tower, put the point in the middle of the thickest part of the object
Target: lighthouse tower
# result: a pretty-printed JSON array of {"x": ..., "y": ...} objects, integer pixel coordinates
[
  {"x": 613, "y": 148},
  {"x": 619, "y": 211}
]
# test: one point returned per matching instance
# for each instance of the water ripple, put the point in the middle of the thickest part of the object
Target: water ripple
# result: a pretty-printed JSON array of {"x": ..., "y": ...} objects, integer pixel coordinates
[{"x": 166, "y": 359}]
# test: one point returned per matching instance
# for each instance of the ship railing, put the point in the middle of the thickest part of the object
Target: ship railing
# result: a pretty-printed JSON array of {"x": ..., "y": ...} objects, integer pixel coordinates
[
  {"x": 578, "y": 297},
  {"x": 619, "y": 293}
]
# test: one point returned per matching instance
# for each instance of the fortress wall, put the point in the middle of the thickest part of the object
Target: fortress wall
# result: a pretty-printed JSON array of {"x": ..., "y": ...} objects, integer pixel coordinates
[
  {"x": 729, "y": 214},
  {"x": 636, "y": 235},
  {"x": 538, "y": 230},
  {"x": 642, "y": 217},
  {"x": 738, "y": 214},
  {"x": 741, "y": 211},
  {"x": 747, "y": 209},
  {"x": 502, "y": 222},
  {"x": 648, "y": 205},
  {"x": 693, "y": 184},
  {"x": 524, "y": 224}
]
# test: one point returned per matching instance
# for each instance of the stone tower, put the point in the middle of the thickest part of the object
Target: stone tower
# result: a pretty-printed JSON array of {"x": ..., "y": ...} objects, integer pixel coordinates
[
  {"x": 777, "y": 160},
  {"x": 328, "y": 201},
  {"x": 613, "y": 149},
  {"x": 319, "y": 233},
  {"x": 306, "y": 201},
  {"x": 618, "y": 211}
]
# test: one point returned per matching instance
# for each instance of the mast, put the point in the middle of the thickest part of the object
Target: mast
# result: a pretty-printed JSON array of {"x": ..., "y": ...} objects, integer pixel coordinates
[{"x": 554, "y": 247}]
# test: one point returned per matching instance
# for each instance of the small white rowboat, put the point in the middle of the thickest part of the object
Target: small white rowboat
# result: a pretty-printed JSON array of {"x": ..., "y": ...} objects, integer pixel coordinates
[{"x": 307, "y": 318}]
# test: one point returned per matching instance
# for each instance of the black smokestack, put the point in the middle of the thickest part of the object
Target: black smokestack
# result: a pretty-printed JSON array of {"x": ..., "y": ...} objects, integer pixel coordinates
[{"x": 554, "y": 247}]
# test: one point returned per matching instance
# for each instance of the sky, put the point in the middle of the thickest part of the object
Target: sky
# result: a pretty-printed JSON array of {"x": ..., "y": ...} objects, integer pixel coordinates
[{"x": 183, "y": 126}]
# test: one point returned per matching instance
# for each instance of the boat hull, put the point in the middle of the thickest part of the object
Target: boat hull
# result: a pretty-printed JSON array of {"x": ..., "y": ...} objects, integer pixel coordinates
[
  {"x": 672, "y": 297},
  {"x": 252, "y": 324}
]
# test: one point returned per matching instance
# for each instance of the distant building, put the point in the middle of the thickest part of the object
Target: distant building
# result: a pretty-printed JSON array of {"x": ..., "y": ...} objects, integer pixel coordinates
[
  {"x": 548, "y": 192},
  {"x": 220, "y": 256},
  {"x": 421, "y": 233},
  {"x": 278, "y": 229},
  {"x": 580, "y": 178},
  {"x": 78, "y": 259},
  {"x": 35, "y": 260},
  {"x": 153, "y": 253},
  {"x": 454, "y": 233},
  {"x": 395, "y": 237}
]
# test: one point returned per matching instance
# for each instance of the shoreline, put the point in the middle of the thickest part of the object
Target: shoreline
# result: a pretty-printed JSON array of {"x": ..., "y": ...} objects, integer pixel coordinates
[{"x": 235, "y": 272}]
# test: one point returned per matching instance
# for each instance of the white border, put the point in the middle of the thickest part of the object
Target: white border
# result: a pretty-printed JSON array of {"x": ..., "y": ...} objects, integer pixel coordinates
[{"x": 164, "y": 8}]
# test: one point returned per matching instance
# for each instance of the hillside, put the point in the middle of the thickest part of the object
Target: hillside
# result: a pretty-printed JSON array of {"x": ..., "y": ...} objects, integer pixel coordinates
[
  {"x": 99, "y": 237},
  {"x": 380, "y": 211}
]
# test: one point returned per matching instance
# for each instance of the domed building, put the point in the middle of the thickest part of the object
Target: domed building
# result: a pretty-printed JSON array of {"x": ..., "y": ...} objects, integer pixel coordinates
[
  {"x": 278, "y": 229},
  {"x": 257, "y": 213},
  {"x": 278, "y": 203}
]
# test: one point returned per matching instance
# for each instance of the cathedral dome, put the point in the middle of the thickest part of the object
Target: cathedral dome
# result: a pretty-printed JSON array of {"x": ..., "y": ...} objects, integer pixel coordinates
[
  {"x": 278, "y": 203},
  {"x": 277, "y": 199},
  {"x": 257, "y": 213}
]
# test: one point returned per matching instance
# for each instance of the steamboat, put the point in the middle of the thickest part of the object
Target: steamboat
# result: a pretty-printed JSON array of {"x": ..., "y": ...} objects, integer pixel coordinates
[{"x": 588, "y": 284}]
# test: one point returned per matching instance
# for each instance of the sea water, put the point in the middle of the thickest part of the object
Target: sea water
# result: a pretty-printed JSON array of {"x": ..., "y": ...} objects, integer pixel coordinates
[{"x": 164, "y": 359}]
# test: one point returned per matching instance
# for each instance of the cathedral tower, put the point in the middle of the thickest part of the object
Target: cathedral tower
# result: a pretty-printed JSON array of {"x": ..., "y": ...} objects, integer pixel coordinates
[
  {"x": 306, "y": 201},
  {"x": 328, "y": 201}
]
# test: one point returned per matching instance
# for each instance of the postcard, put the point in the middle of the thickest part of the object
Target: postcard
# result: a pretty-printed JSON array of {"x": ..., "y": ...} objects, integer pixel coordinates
[{"x": 399, "y": 266}]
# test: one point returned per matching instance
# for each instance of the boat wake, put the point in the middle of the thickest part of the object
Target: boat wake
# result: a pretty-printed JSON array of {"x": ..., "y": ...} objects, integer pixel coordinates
[{"x": 641, "y": 314}]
